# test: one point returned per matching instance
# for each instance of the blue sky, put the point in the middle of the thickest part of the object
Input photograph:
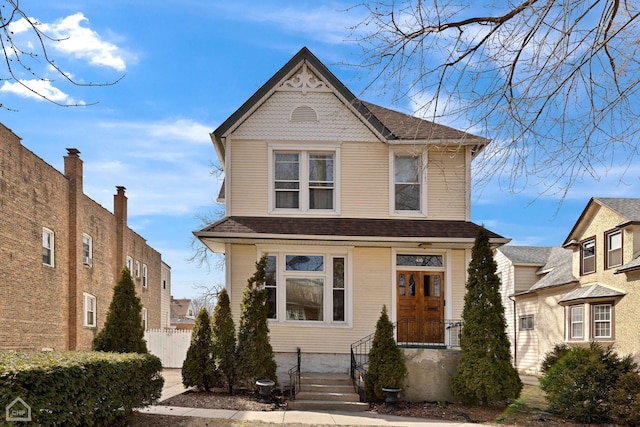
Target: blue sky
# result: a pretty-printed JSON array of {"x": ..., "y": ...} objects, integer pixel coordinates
[{"x": 187, "y": 66}]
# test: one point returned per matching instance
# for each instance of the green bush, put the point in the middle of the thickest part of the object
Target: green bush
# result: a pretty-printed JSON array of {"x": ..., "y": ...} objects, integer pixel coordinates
[
  {"x": 580, "y": 383},
  {"x": 387, "y": 367},
  {"x": 485, "y": 374},
  {"x": 255, "y": 359},
  {"x": 123, "y": 331},
  {"x": 554, "y": 356},
  {"x": 224, "y": 339},
  {"x": 199, "y": 367},
  {"x": 625, "y": 399},
  {"x": 79, "y": 388}
]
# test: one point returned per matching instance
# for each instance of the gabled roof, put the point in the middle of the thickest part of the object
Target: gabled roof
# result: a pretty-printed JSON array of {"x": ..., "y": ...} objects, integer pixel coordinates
[
  {"x": 557, "y": 270},
  {"x": 554, "y": 264},
  {"x": 591, "y": 292},
  {"x": 532, "y": 255},
  {"x": 627, "y": 208},
  {"x": 389, "y": 125}
]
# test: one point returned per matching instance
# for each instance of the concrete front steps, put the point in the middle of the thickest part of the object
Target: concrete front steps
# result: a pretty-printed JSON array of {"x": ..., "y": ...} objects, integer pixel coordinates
[{"x": 326, "y": 392}]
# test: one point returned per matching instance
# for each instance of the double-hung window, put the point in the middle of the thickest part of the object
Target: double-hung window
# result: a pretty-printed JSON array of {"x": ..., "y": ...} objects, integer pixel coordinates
[
  {"x": 588, "y": 256},
  {"x": 304, "y": 181},
  {"x": 87, "y": 250},
  {"x": 129, "y": 264},
  {"x": 407, "y": 183},
  {"x": 89, "y": 310},
  {"x": 614, "y": 248},
  {"x": 601, "y": 323},
  {"x": 307, "y": 287},
  {"x": 145, "y": 276},
  {"x": 144, "y": 319},
  {"x": 48, "y": 243},
  {"x": 137, "y": 269},
  {"x": 576, "y": 322}
]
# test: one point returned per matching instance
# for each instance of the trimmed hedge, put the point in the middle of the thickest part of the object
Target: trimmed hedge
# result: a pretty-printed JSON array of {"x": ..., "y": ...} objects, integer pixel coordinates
[{"x": 79, "y": 388}]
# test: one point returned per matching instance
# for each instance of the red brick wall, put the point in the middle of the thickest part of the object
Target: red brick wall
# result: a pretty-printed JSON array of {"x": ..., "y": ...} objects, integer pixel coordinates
[{"x": 35, "y": 304}]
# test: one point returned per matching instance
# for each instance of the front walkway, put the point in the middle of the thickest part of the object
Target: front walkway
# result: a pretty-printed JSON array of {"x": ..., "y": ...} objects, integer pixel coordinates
[{"x": 173, "y": 386}]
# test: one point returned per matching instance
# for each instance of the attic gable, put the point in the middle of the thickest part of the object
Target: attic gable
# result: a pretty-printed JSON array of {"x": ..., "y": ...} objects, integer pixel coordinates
[{"x": 305, "y": 74}]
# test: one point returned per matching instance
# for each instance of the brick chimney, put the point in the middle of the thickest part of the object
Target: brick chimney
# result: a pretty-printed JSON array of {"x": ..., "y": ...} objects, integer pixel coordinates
[
  {"x": 120, "y": 212},
  {"x": 73, "y": 172}
]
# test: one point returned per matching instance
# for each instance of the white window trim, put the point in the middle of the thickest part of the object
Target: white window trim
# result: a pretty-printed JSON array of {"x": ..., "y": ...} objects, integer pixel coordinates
[
  {"x": 145, "y": 276},
  {"x": 129, "y": 264},
  {"x": 145, "y": 323},
  {"x": 304, "y": 150},
  {"x": 51, "y": 248},
  {"x": 593, "y": 321},
  {"x": 329, "y": 252},
  {"x": 87, "y": 260},
  {"x": 403, "y": 151},
  {"x": 137, "y": 267},
  {"x": 571, "y": 323},
  {"x": 87, "y": 298}
]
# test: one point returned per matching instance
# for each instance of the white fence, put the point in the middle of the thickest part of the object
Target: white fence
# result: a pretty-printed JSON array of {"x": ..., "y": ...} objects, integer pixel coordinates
[{"x": 169, "y": 345}]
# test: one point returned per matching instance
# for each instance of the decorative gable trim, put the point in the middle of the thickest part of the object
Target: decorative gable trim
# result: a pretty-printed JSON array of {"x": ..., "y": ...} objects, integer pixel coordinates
[{"x": 304, "y": 81}]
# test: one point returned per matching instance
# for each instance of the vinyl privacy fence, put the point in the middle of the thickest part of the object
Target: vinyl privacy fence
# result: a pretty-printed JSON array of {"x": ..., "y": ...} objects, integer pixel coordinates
[{"x": 169, "y": 345}]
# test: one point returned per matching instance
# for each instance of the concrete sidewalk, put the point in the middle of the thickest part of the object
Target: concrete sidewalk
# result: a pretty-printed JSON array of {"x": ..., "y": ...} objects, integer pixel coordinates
[{"x": 173, "y": 386}]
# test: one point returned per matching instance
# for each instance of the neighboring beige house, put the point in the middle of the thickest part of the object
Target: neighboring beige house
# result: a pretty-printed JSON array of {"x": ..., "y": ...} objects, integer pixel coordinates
[
  {"x": 586, "y": 291},
  {"x": 61, "y": 254},
  {"x": 533, "y": 279},
  {"x": 357, "y": 207}
]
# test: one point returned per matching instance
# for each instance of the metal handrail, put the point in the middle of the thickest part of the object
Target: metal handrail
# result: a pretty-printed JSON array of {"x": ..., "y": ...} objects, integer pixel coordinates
[
  {"x": 294, "y": 376},
  {"x": 412, "y": 333}
]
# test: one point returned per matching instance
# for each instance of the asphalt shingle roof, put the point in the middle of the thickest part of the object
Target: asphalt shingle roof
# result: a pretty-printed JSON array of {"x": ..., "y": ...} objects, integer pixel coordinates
[
  {"x": 626, "y": 207},
  {"x": 346, "y": 227},
  {"x": 590, "y": 292},
  {"x": 526, "y": 254}
]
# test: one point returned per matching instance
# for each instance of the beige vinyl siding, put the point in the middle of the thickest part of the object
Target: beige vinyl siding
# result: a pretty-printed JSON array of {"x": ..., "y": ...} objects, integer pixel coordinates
[
  {"x": 505, "y": 268},
  {"x": 365, "y": 180},
  {"x": 371, "y": 289},
  {"x": 528, "y": 351},
  {"x": 243, "y": 262},
  {"x": 273, "y": 120},
  {"x": 524, "y": 277},
  {"x": 249, "y": 179},
  {"x": 446, "y": 183},
  {"x": 458, "y": 282}
]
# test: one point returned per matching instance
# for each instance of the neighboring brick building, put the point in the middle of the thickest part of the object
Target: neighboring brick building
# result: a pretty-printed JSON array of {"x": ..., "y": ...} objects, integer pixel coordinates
[{"x": 61, "y": 254}]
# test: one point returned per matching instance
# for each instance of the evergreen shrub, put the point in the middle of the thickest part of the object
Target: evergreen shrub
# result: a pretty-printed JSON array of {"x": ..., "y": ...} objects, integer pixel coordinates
[
  {"x": 592, "y": 385},
  {"x": 387, "y": 366},
  {"x": 199, "y": 367},
  {"x": 224, "y": 339},
  {"x": 79, "y": 388}
]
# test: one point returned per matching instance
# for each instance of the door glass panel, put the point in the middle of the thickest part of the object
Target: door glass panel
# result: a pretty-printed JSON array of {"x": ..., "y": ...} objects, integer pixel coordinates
[
  {"x": 412, "y": 285},
  {"x": 427, "y": 286},
  {"x": 436, "y": 286},
  {"x": 401, "y": 285}
]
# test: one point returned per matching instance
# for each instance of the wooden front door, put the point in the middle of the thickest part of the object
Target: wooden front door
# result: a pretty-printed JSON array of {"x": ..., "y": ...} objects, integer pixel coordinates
[{"x": 420, "y": 307}]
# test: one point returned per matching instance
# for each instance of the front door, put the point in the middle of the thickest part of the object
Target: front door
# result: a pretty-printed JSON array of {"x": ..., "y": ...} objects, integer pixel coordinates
[{"x": 420, "y": 307}]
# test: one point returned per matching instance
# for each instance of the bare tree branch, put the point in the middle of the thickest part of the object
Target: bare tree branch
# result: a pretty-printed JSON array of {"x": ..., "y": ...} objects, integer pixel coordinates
[
  {"x": 554, "y": 83},
  {"x": 15, "y": 58}
]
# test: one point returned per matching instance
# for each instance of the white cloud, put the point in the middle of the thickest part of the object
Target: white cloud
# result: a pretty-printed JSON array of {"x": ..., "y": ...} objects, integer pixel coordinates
[
  {"x": 72, "y": 38},
  {"x": 165, "y": 165},
  {"x": 40, "y": 90}
]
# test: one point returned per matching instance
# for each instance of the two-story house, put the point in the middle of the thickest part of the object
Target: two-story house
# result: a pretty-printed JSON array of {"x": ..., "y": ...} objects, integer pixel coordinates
[
  {"x": 584, "y": 291},
  {"x": 533, "y": 280},
  {"x": 357, "y": 206},
  {"x": 606, "y": 257},
  {"x": 61, "y": 254}
]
